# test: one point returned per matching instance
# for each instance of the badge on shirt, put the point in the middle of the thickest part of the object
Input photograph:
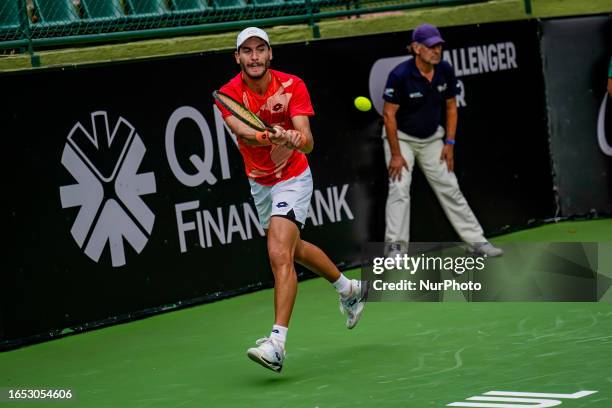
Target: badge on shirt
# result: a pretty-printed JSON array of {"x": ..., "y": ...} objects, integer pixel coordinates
[
  {"x": 389, "y": 92},
  {"x": 442, "y": 88},
  {"x": 415, "y": 95}
]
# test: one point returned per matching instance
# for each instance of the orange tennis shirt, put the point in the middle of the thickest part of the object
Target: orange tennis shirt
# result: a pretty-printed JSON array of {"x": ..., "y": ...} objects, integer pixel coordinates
[{"x": 285, "y": 98}]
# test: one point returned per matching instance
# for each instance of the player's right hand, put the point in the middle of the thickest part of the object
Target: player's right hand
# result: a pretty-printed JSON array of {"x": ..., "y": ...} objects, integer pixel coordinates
[{"x": 396, "y": 165}]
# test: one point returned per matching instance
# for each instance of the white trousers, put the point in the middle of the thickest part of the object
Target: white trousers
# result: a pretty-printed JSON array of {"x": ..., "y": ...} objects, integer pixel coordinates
[{"x": 444, "y": 184}]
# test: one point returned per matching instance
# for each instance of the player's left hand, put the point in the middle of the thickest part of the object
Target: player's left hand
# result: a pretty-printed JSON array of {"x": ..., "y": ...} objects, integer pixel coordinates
[
  {"x": 447, "y": 155},
  {"x": 295, "y": 139}
]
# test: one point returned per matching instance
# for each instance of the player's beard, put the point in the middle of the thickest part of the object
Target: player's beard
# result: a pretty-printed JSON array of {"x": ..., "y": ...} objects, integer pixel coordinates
[{"x": 255, "y": 77}]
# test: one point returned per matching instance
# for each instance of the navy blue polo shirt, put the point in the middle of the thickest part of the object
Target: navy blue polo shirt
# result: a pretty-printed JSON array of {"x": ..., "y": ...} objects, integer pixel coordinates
[{"x": 421, "y": 102}]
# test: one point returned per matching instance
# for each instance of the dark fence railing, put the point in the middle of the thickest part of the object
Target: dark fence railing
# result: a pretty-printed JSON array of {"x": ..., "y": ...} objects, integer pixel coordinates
[{"x": 26, "y": 24}]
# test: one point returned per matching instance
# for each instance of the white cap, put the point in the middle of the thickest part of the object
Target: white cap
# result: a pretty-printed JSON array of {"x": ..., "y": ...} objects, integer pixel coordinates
[{"x": 251, "y": 32}]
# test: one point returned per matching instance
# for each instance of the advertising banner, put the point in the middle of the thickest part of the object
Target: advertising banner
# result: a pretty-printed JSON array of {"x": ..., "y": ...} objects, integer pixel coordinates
[
  {"x": 127, "y": 194},
  {"x": 577, "y": 54}
]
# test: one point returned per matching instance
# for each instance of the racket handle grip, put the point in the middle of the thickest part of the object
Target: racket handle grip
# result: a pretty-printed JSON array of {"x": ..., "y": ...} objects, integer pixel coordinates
[{"x": 263, "y": 138}]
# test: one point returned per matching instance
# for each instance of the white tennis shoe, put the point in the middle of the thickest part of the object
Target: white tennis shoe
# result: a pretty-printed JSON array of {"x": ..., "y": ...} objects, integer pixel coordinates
[
  {"x": 485, "y": 249},
  {"x": 268, "y": 353},
  {"x": 353, "y": 305}
]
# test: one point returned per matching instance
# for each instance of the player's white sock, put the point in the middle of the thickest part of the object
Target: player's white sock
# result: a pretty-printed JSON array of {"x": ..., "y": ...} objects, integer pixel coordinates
[
  {"x": 343, "y": 286},
  {"x": 279, "y": 333}
]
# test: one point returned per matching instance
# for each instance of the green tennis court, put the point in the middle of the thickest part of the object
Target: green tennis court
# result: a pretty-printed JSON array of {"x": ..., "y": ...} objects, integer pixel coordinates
[{"x": 400, "y": 355}]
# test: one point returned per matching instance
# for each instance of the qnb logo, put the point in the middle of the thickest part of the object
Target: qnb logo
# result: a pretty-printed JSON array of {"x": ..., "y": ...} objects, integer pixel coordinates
[
  {"x": 511, "y": 399},
  {"x": 104, "y": 162}
]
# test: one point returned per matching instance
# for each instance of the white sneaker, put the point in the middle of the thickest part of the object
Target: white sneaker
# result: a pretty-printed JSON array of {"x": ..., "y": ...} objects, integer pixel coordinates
[
  {"x": 268, "y": 353},
  {"x": 393, "y": 249},
  {"x": 485, "y": 249},
  {"x": 353, "y": 305}
]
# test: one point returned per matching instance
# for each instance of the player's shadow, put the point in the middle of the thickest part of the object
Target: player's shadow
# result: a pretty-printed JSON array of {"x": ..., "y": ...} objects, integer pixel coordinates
[
  {"x": 266, "y": 379},
  {"x": 272, "y": 380}
]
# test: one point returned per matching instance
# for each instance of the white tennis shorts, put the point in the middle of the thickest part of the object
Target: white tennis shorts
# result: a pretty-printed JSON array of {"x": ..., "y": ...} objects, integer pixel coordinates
[{"x": 288, "y": 199}]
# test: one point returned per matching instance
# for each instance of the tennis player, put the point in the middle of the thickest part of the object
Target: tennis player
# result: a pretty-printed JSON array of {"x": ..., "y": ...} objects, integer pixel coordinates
[{"x": 281, "y": 184}]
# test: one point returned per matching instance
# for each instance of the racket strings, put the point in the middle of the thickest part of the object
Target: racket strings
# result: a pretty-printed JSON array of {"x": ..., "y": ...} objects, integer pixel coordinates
[{"x": 237, "y": 109}]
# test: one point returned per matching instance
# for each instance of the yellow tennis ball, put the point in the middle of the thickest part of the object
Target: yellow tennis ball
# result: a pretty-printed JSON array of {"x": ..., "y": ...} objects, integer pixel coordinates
[{"x": 363, "y": 104}]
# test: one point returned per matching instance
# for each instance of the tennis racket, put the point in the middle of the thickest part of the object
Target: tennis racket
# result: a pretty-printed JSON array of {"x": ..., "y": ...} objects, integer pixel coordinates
[{"x": 242, "y": 113}]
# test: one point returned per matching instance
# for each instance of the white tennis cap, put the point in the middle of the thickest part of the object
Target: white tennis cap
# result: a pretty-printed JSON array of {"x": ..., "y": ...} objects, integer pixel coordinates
[{"x": 251, "y": 32}]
